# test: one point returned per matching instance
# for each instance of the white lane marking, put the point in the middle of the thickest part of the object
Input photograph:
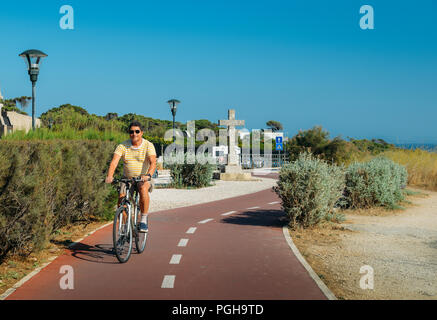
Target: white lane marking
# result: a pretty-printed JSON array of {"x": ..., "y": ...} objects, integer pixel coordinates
[
  {"x": 205, "y": 221},
  {"x": 228, "y": 213},
  {"x": 328, "y": 293},
  {"x": 274, "y": 202},
  {"x": 183, "y": 243},
  {"x": 175, "y": 259},
  {"x": 168, "y": 282},
  {"x": 191, "y": 230},
  {"x": 252, "y": 208}
]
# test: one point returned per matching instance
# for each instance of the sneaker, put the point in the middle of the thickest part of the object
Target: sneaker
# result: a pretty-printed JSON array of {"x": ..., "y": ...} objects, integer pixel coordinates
[{"x": 143, "y": 227}]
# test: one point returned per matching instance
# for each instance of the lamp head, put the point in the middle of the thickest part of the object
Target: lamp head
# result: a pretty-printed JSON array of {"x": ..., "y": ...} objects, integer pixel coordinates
[
  {"x": 173, "y": 105},
  {"x": 33, "y": 60}
]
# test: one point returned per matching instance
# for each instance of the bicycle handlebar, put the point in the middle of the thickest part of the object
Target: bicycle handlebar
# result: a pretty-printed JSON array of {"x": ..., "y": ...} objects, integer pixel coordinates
[{"x": 131, "y": 180}]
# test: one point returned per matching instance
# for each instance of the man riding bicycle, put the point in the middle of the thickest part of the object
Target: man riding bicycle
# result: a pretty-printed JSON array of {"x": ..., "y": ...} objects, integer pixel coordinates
[{"x": 139, "y": 159}]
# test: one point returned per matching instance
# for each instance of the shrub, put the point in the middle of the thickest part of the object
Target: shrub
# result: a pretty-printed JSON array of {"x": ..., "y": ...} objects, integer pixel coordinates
[
  {"x": 378, "y": 182},
  {"x": 196, "y": 175},
  {"x": 309, "y": 189},
  {"x": 45, "y": 185}
]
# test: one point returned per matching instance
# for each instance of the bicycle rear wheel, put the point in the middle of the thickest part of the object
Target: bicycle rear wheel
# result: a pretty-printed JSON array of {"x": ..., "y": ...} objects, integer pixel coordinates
[
  {"x": 141, "y": 237},
  {"x": 122, "y": 235}
]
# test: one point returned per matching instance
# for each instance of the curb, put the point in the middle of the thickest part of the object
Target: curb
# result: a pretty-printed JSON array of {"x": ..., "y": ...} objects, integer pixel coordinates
[
  {"x": 11, "y": 290},
  {"x": 328, "y": 293}
]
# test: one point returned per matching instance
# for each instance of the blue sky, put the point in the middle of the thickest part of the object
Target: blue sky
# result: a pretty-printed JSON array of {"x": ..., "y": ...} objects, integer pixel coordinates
[{"x": 303, "y": 63}]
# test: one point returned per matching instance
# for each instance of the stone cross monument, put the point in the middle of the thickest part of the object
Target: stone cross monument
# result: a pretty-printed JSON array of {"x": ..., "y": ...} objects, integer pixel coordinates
[
  {"x": 231, "y": 123},
  {"x": 233, "y": 170}
]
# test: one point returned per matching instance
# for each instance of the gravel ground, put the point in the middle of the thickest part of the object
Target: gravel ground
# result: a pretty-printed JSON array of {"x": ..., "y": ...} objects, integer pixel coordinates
[
  {"x": 401, "y": 248},
  {"x": 163, "y": 199}
]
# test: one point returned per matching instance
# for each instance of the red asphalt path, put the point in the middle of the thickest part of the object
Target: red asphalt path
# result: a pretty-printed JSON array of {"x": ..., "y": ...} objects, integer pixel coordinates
[{"x": 242, "y": 256}]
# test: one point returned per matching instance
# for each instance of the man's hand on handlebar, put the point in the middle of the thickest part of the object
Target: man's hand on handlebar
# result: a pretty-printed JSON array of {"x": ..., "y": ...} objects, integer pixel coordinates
[
  {"x": 109, "y": 179},
  {"x": 145, "y": 178}
]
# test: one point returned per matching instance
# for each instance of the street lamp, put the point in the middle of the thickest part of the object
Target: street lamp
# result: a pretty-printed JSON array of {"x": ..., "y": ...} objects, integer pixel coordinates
[
  {"x": 32, "y": 58},
  {"x": 173, "y": 106}
]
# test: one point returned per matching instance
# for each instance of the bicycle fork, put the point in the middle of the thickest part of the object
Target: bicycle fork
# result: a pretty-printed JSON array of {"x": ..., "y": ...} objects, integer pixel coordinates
[{"x": 127, "y": 222}]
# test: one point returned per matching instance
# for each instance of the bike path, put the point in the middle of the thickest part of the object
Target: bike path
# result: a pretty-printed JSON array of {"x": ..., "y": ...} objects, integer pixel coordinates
[{"x": 241, "y": 255}]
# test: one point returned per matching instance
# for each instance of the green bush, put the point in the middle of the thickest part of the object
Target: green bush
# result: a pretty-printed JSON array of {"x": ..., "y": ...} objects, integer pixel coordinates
[
  {"x": 317, "y": 142},
  {"x": 378, "y": 182},
  {"x": 195, "y": 175},
  {"x": 45, "y": 185},
  {"x": 309, "y": 189}
]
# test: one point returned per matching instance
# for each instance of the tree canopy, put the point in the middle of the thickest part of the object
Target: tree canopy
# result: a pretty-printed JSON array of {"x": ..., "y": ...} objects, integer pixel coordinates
[
  {"x": 316, "y": 141},
  {"x": 274, "y": 125}
]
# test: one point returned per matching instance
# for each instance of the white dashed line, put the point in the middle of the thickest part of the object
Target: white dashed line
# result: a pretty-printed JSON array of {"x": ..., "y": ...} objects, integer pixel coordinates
[
  {"x": 205, "y": 221},
  {"x": 252, "y": 208},
  {"x": 228, "y": 213},
  {"x": 191, "y": 230},
  {"x": 168, "y": 282},
  {"x": 183, "y": 243},
  {"x": 175, "y": 259},
  {"x": 274, "y": 202}
]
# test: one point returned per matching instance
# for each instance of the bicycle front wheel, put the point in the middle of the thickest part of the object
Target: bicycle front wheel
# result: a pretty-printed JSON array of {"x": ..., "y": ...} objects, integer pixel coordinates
[
  {"x": 122, "y": 235},
  {"x": 140, "y": 237},
  {"x": 140, "y": 240}
]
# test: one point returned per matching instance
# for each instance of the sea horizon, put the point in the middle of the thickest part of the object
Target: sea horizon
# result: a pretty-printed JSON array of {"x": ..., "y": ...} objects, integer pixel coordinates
[{"x": 413, "y": 146}]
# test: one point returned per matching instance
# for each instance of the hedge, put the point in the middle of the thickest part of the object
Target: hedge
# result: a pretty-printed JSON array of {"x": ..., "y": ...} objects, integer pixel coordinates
[{"x": 45, "y": 185}]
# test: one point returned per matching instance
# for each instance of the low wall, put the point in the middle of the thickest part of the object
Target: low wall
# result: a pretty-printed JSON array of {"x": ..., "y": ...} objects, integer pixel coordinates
[{"x": 21, "y": 121}]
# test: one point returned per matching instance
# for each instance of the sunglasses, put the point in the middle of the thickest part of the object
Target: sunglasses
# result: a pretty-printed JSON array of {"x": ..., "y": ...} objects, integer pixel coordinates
[{"x": 136, "y": 131}]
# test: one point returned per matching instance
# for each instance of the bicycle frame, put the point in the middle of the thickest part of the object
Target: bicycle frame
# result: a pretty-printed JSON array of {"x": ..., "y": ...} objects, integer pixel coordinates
[
  {"x": 126, "y": 222},
  {"x": 127, "y": 201}
]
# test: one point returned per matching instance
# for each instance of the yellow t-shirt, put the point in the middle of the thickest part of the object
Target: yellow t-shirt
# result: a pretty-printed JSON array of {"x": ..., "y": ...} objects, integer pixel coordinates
[{"x": 135, "y": 160}]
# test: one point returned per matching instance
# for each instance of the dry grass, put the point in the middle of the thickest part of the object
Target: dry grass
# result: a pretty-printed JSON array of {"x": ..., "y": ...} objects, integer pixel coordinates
[
  {"x": 421, "y": 166},
  {"x": 319, "y": 245}
]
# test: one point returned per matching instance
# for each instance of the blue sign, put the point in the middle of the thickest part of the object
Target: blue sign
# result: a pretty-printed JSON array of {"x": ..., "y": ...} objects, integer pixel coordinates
[{"x": 279, "y": 146}]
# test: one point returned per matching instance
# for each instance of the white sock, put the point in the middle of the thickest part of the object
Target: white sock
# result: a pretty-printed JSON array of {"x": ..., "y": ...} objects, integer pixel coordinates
[{"x": 144, "y": 217}]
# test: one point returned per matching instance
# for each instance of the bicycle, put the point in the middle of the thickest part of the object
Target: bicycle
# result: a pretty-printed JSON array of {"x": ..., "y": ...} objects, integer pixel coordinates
[{"x": 126, "y": 222}]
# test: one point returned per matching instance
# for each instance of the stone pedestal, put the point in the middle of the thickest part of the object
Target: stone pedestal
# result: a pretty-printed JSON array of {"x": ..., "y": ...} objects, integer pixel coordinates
[
  {"x": 233, "y": 169},
  {"x": 234, "y": 173},
  {"x": 244, "y": 176}
]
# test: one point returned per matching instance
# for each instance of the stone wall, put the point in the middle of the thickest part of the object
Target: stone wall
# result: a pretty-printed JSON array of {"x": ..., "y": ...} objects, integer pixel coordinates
[{"x": 18, "y": 122}]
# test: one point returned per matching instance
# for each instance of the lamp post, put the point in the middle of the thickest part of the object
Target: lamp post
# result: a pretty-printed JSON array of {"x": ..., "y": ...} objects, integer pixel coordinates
[
  {"x": 173, "y": 106},
  {"x": 33, "y": 58}
]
